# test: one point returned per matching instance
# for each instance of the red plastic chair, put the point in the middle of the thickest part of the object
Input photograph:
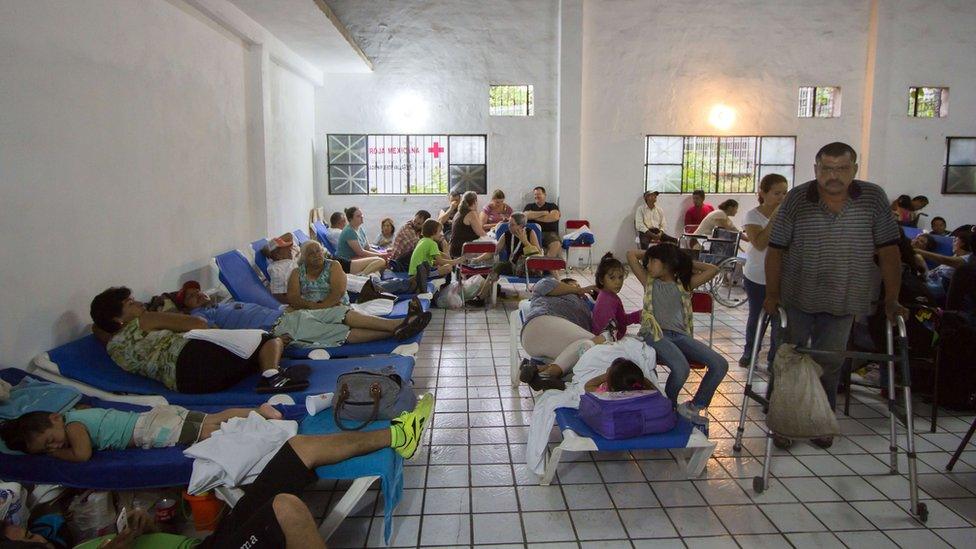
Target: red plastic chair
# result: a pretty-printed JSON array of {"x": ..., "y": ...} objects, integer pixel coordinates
[
  {"x": 572, "y": 225},
  {"x": 542, "y": 263},
  {"x": 476, "y": 248},
  {"x": 701, "y": 302}
]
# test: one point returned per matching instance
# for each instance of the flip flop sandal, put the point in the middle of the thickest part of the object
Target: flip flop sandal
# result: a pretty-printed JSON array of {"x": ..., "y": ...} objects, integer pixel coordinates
[{"x": 412, "y": 327}]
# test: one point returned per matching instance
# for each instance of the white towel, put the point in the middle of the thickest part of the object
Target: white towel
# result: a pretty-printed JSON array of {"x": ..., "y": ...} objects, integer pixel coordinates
[
  {"x": 238, "y": 452},
  {"x": 242, "y": 343},
  {"x": 593, "y": 363},
  {"x": 577, "y": 233},
  {"x": 354, "y": 283},
  {"x": 375, "y": 307}
]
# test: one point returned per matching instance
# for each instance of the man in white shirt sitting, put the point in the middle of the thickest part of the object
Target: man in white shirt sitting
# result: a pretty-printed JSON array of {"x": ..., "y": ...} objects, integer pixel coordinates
[{"x": 650, "y": 221}]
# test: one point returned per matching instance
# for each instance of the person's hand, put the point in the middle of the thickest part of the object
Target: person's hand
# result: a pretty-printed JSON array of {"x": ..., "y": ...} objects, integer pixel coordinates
[
  {"x": 771, "y": 304},
  {"x": 894, "y": 309}
]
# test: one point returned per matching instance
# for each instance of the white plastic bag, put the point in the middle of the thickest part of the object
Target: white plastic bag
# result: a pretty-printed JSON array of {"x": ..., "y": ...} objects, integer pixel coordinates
[
  {"x": 449, "y": 296},
  {"x": 92, "y": 515},
  {"x": 798, "y": 407},
  {"x": 472, "y": 286}
]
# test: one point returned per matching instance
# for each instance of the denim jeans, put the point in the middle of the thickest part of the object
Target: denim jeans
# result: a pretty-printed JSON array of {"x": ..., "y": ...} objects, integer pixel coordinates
[
  {"x": 675, "y": 350},
  {"x": 823, "y": 332},
  {"x": 756, "y": 294}
]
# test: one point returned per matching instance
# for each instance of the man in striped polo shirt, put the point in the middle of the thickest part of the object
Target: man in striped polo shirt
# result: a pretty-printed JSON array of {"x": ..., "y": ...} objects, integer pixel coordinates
[{"x": 820, "y": 261}]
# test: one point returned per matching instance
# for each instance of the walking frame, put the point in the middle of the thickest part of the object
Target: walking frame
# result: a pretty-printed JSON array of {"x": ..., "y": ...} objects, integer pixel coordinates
[{"x": 899, "y": 342}]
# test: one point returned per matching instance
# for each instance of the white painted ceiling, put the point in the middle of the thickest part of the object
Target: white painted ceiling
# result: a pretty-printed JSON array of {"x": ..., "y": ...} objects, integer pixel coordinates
[{"x": 305, "y": 28}]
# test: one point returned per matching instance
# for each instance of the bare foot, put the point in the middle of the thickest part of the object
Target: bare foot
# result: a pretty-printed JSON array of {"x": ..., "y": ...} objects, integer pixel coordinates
[{"x": 268, "y": 411}]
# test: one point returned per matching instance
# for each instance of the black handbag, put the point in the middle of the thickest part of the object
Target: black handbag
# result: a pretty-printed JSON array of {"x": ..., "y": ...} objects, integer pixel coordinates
[{"x": 368, "y": 395}]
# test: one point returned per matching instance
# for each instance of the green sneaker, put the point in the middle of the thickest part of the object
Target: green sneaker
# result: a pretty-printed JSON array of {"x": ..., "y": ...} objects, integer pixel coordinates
[{"x": 408, "y": 428}]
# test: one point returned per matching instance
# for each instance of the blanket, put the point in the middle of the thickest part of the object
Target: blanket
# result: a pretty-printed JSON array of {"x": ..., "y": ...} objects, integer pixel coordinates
[{"x": 593, "y": 363}]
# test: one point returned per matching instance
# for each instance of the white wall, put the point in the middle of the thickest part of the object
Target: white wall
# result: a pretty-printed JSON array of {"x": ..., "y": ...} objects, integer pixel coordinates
[
  {"x": 447, "y": 52},
  {"x": 292, "y": 129},
  {"x": 658, "y": 67},
  {"x": 923, "y": 43},
  {"x": 124, "y": 155}
]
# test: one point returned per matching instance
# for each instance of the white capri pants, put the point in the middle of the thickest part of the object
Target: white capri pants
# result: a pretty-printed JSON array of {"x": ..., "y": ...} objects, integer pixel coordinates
[{"x": 556, "y": 338}]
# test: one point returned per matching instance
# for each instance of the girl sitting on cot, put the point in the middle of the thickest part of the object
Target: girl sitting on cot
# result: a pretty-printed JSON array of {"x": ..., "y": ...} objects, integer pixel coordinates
[
  {"x": 669, "y": 276},
  {"x": 622, "y": 375},
  {"x": 74, "y": 435},
  {"x": 608, "y": 313}
]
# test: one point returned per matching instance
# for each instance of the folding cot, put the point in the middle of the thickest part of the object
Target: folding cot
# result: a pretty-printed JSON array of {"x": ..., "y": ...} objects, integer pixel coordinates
[
  {"x": 138, "y": 469},
  {"x": 943, "y": 244},
  {"x": 579, "y": 437},
  {"x": 584, "y": 241},
  {"x": 322, "y": 235},
  {"x": 533, "y": 263},
  {"x": 260, "y": 261},
  {"x": 300, "y": 236},
  {"x": 85, "y": 365}
]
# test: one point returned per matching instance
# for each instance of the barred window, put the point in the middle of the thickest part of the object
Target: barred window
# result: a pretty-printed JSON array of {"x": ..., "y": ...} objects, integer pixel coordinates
[
  {"x": 928, "y": 102},
  {"x": 511, "y": 100},
  {"x": 959, "y": 173},
  {"x": 715, "y": 164},
  {"x": 407, "y": 164},
  {"x": 819, "y": 102}
]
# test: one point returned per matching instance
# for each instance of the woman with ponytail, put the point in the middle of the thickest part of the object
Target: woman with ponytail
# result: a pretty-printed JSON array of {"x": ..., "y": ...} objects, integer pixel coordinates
[
  {"x": 669, "y": 276},
  {"x": 608, "y": 313}
]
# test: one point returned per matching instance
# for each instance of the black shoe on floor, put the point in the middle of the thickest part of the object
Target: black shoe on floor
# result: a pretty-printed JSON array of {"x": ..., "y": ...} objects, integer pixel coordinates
[
  {"x": 527, "y": 371},
  {"x": 475, "y": 302},
  {"x": 540, "y": 383},
  {"x": 782, "y": 443},
  {"x": 823, "y": 442}
]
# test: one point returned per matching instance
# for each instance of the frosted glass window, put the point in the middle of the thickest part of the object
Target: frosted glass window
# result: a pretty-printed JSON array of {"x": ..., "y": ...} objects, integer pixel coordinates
[
  {"x": 664, "y": 149},
  {"x": 778, "y": 150},
  {"x": 785, "y": 171},
  {"x": 663, "y": 178},
  {"x": 468, "y": 149},
  {"x": 959, "y": 174}
]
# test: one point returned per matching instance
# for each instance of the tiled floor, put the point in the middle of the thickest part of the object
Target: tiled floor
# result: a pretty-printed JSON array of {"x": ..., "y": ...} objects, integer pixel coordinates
[{"x": 469, "y": 486}]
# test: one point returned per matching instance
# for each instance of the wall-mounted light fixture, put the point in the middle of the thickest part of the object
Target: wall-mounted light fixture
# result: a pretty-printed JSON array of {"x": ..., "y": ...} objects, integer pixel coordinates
[{"x": 721, "y": 116}]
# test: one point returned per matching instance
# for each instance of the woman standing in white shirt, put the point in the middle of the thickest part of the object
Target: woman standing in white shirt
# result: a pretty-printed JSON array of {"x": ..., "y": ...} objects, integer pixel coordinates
[{"x": 772, "y": 190}]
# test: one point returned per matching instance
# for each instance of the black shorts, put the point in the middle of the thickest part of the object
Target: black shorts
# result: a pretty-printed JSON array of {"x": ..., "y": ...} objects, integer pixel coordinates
[
  {"x": 252, "y": 523},
  {"x": 205, "y": 367},
  {"x": 344, "y": 263}
]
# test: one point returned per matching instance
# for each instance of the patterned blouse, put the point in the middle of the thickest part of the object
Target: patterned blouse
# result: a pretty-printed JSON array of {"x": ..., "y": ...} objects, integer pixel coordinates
[
  {"x": 318, "y": 289},
  {"x": 148, "y": 354},
  {"x": 649, "y": 324}
]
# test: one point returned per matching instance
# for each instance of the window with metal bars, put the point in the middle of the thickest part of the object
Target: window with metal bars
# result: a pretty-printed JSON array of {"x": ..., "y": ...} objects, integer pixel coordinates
[
  {"x": 959, "y": 173},
  {"x": 407, "y": 164},
  {"x": 511, "y": 100},
  {"x": 928, "y": 102},
  {"x": 715, "y": 164},
  {"x": 819, "y": 102}
]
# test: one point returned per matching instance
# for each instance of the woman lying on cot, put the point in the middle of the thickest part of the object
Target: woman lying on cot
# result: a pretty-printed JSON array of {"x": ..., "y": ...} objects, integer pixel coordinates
[
  {"x": 74, "y": 435},
  {"x": 557, "y": 326},
  {"x": 294, "y": 326},
  {"x": 152, "y": 345},
  {"x": 318, "y": 287}
]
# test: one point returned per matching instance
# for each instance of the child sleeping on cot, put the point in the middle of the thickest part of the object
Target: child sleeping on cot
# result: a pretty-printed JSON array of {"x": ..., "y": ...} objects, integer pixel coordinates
[
  {"x": 74, "y": 435},
  {"x": 622, "y": 375}
]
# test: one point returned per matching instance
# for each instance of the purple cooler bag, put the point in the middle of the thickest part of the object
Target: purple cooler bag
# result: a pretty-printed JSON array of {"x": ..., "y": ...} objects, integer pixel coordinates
[{"x": 627, "y": 414}]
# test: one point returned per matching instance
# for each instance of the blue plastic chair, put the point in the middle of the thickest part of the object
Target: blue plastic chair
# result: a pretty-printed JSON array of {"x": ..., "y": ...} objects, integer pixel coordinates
[
  {"x": 300, "y": 236},
  {"x": 242, "y": 282},
  {"x": 322, "y": 235},
  {"x": 260, "y": 260}
]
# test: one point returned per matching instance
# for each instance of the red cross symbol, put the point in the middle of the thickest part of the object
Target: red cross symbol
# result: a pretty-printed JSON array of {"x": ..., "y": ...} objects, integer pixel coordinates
[{"x": 436, "y": 149}]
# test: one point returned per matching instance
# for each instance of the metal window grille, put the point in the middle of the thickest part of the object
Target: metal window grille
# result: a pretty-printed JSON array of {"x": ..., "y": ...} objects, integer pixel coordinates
[
  {"x": 959, "y": 171},
  {"x": 511, "y": 100},
  {"x": 407, "y": 164},
  {"x": 715, "y": 164},
  {"x": 818, "y": 102},
  {"x": 928, "y": 102}
]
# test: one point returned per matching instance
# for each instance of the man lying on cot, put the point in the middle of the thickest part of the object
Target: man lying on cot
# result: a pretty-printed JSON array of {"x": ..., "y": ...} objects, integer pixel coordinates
[
  {"x": 74, "y": 435},
  {"x": 270, "y": 514},
  {"x": 152, "y": 344},
  {"x": 294, "y": 326}
]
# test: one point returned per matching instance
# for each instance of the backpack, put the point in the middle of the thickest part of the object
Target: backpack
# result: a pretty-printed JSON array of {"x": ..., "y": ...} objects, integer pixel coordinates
[{"x": 627, "y": 414}]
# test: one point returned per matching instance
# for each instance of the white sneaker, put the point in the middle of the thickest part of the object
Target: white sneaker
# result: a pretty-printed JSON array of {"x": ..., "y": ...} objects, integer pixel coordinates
[{"x": 692, "y": 413}]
